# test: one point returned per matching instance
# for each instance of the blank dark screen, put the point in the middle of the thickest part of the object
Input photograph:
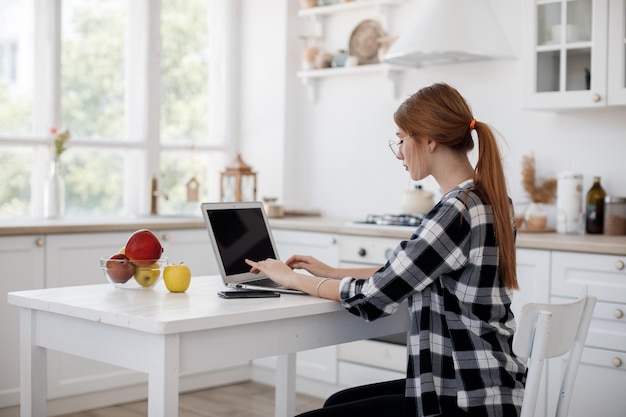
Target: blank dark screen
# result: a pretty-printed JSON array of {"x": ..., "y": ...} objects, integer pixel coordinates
[{"x": 240, "y": 234}]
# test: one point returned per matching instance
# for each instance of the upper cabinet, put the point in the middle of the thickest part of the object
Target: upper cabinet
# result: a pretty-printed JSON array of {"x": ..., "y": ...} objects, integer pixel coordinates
[{"x": 575, "y": 54}]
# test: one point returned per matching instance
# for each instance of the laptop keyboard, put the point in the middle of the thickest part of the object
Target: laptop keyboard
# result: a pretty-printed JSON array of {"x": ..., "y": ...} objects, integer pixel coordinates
[{"x": 264, "y": 282}]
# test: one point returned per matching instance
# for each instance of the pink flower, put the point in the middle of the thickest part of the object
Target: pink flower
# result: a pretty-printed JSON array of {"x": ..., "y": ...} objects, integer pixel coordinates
[{"x": 60, "y": 140}]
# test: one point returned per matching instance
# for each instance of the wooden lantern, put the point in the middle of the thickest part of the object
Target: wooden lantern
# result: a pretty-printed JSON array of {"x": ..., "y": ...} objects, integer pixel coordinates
[{"x": 238, "y": 182}]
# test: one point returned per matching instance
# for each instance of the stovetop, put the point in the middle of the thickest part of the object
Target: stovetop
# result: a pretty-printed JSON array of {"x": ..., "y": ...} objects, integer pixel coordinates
[{"x": 408, "y": 220}]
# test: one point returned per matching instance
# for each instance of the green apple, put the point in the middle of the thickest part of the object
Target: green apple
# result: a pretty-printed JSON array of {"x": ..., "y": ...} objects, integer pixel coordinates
[
  {"x": 177, "y": 277},
  {"x": 147, "y": 276}
]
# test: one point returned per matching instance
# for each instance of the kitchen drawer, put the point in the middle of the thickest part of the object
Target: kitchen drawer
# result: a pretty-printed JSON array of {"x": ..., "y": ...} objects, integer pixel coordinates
[
  {"x": 608, "y": 325},
  {"x": 604, "y": 275},
  {"x": 366, "y": 250}
]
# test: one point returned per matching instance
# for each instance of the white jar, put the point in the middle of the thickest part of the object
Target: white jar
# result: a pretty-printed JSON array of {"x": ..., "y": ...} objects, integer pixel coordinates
[
  {"x": 417, "y": 201},
  {"x": 569, "y": 202}
]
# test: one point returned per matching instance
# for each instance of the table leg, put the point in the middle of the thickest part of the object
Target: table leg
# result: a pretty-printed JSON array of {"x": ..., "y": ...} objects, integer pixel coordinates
[
  {"x": 286, "y": 385},
  {"x": 163, "y": 376},
  {"x": 33, "y": 367}
]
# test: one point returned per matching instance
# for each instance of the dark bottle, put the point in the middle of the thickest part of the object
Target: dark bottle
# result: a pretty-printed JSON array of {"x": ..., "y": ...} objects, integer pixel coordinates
[{"x": 595, "y": 208}]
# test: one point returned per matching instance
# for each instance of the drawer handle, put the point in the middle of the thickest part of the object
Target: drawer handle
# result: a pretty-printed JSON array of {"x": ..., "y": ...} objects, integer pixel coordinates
[
  {"x": 619, "y": 265},
  {"x": 165, "y": 237},
  {"x": 362, "y": 252},
  {"x": 618, "y": 313},
  {"x": 617, "y": 362},
  {"x": 39, "y": 242}
]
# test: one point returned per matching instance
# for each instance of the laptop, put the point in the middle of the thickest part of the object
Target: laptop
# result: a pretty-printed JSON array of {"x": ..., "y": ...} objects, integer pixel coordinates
[{"x": 240, "y": 231}]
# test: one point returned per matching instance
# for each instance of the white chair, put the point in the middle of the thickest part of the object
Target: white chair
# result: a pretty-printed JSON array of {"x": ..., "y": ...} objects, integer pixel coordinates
[{"x": 546, "y": 331}]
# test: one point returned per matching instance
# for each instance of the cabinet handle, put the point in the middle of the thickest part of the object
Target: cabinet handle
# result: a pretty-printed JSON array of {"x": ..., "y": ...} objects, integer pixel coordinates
[
  {"x": 619, "y": 265},
  {"x": 618, "y": 313},
  {"x": 39, "y": 242},
  {"x": 596, "y": 97},
  {"x": 165, "y": 237},
  {"x": 617, "y": 362},
  {"x": 362, "y": 252}
]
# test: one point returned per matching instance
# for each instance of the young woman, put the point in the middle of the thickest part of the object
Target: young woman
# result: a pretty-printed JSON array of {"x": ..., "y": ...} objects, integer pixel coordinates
[{"x": 457, "y": 273}]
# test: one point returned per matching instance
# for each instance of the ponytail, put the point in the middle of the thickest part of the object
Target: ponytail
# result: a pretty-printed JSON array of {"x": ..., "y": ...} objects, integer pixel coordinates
[{"x": 489, "y": 179}]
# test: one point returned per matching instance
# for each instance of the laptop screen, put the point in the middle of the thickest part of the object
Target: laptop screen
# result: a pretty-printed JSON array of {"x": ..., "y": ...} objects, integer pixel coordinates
[{"x": 240, "y": 233}]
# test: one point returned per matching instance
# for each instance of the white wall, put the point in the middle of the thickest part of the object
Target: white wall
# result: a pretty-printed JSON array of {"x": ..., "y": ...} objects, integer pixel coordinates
[{"x": 332, "y": 154}]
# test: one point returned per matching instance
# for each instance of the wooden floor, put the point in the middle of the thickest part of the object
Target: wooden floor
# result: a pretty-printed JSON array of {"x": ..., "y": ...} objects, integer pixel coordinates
[{"x": 248, "y": 399}]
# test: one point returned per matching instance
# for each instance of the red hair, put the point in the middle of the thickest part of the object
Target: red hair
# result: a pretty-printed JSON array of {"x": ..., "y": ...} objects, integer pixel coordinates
[{"x": 440, "y": 113}]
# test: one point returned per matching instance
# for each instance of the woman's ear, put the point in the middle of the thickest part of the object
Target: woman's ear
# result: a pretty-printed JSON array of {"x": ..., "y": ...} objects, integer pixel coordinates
[{"x": 431, "y": 145}]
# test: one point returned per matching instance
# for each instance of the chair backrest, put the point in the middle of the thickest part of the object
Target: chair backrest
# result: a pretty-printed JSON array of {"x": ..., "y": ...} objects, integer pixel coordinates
[{"x": 546, "y": 331}]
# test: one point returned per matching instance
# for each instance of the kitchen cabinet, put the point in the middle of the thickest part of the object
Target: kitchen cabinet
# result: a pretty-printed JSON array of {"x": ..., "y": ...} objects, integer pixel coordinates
[
  {"x": 601, "y": 377},
  {"x": 318, "y": 364},
  {"x": 377, "y": 360},
  {"x": 575, "y": 54},
  {"x": 320, "y": 16},
  {"x": 22, "y": 260},
  {"x": 191, "y": 247}
]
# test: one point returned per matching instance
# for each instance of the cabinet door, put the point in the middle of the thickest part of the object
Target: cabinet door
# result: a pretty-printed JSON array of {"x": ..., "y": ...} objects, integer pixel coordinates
[
  {"x": 318, "y": 364},
  {"x": 191, "y": 247},
  {"x": 566, "y": 53},
  {"x": 22, "y": 260},
  {"x": 599, "y": 387},
  {"x": 617, "y": 55},
  {"x": 74, "y": 259},
  {"x": 533, "y": 276}
]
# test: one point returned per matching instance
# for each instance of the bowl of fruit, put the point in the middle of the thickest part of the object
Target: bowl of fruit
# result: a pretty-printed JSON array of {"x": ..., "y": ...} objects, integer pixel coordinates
[{"x": 139, "y": 264}]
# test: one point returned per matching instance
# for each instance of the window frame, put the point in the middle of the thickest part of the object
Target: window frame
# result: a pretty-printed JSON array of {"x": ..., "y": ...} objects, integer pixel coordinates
[{"x": 142, "y": 96}]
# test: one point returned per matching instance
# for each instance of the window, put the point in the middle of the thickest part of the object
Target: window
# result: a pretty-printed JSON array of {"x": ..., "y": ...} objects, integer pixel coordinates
[{"x": 133, "y": 81}]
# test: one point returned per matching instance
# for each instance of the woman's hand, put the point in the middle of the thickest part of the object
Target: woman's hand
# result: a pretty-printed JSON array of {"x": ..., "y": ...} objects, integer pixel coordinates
[
  {"x": 277, "y": 271},
  {"x": 310, "y": 264}
]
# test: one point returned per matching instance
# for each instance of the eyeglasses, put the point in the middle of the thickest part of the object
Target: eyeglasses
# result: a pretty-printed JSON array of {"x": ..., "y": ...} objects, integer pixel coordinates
[{"x": 396, "y": 145}]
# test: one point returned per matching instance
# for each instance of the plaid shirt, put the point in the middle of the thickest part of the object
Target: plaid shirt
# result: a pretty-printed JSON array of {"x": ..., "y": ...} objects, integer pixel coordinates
[{"x": 462, "y": 326}]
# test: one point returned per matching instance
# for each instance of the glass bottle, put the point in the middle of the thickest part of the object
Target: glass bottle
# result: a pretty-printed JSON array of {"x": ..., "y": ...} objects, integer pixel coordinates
[{"x": 595, "y": 208}]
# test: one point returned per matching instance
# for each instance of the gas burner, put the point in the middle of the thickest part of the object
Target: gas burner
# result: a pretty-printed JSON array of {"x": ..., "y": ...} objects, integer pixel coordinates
[{"x": 394, "y": 219}]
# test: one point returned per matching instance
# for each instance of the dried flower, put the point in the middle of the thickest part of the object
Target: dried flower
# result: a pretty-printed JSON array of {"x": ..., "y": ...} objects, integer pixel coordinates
[
  {"x": 60, "y": 140},
  {"x": 542, "y": 193}
]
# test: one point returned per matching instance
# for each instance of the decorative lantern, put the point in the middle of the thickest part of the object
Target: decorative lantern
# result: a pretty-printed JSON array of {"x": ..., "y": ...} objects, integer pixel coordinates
[{"x": 238, "y": 182}]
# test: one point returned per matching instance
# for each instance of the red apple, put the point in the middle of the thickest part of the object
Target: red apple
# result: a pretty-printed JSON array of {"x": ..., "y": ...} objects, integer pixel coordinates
[
  {"x": 143, "y": 248},
  {"x": 119, "y": 268}
]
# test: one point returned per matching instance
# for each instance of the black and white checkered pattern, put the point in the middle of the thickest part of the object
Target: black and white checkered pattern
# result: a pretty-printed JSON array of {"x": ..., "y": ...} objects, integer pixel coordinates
[{"x": 461, "y": 322}]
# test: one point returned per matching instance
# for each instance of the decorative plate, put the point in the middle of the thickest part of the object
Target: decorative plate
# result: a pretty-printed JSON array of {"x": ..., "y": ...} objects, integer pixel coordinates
[{"x": 364, "y": 41}]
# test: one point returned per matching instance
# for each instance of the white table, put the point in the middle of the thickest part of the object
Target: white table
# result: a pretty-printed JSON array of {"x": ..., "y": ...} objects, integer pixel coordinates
[{"x": 164, "y": 334}]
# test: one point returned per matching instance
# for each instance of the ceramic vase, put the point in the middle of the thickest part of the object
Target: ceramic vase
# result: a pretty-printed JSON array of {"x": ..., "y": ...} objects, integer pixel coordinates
[{"x": 54, "y": 191}]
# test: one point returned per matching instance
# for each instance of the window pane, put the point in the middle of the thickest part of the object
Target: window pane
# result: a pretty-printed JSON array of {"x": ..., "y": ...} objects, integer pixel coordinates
[
  {"x": 179, "y": 170},
  {"x": 184, "y": 71},
  {"x": 94, "y": 181},
  {"x": 92, "y": 61},
  {"x": 16, "y": 66},
  {"x": 15, "y": 167}
]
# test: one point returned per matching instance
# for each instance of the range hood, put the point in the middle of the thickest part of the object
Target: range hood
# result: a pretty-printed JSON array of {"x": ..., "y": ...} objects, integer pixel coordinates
[{"x": 448, "y": 31}]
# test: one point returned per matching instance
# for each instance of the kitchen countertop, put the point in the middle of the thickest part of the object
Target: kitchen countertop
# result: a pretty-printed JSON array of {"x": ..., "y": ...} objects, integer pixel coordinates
[{"x": 602, "y": 244}]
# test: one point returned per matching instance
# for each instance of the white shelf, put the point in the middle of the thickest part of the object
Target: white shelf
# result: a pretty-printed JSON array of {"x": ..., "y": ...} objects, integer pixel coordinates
[
  {"x": 311, "y": 77},
  {"x": 317, "y": 14},
  {"x": 344, "y": 7}
]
